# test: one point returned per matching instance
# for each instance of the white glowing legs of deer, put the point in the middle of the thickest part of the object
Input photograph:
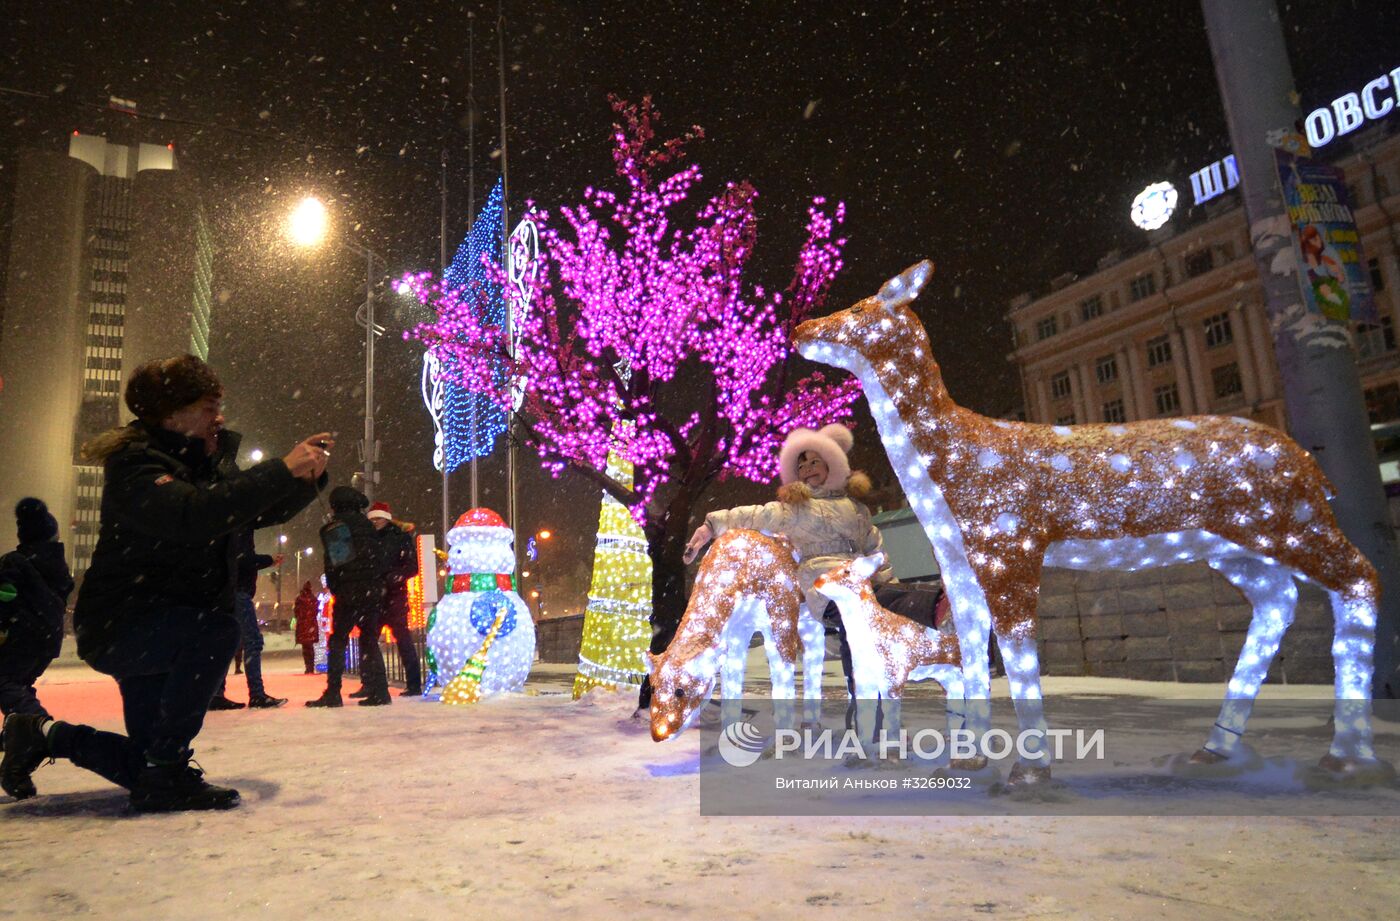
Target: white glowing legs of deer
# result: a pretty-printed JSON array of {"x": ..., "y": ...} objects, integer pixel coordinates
[{"x": 751, "y": 616}]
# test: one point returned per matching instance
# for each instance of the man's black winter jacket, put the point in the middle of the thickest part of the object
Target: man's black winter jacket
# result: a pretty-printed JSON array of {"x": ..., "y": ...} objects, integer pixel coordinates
[{"x": 170, "y": 515}]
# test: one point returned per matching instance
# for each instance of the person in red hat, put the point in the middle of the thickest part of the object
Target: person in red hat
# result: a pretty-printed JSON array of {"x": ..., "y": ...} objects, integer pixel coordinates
[{"x": 402, "y": 558}]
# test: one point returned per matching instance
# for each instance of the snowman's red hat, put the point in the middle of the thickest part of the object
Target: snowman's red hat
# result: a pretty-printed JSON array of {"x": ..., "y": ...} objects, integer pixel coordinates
[
  {"x": 480, "y": 518},
  {"x": 480, "y": 521}
]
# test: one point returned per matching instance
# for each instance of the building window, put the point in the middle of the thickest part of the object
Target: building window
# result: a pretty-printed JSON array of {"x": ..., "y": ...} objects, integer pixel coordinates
[
  {"x": 1375, "y": 339},
  {"x": 1059, "y": 385},
  {"x": 1377, "y": 276},
  {"x": 1142, "y": 286},
  {"x": 1113, "y": 411},
  {"x": 109, "y": 297},
  {"x": 1106, "y": 369},
  {"x": 1383, "y": 403},
  {"x": 106, "y": 319},
  {"x": 1067, "y": 419},
  {"x": 1168, "y": 401},
  {"x": 1159, "y": 351},
  {"x": 1091, "y": 307},
  {"x": 1218, "y": 330},
  {"x": 1199, "y": 262},
  {"x": 104, "y": 342},
  {"x": 1226, "y": 381},
  {"x": 1046, "y": 327}
]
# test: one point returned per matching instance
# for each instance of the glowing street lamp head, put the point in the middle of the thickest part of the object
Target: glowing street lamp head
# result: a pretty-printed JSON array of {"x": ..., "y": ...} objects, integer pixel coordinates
[
  {"x": 256, "y": 456},
  {"x": 308, "y": 551},
  {"x": 546, "y": 534},
  {"x": 307, "y": 225},
  {"x": 281, "y": 538},
  {"x": 1154, "y": 205}
]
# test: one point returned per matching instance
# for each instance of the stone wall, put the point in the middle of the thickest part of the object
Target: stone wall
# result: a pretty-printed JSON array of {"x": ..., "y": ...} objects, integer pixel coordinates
[{"x": 1177, "y": 623}]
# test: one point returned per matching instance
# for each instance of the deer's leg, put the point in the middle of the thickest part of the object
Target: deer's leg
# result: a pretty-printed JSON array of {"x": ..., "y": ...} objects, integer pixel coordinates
[
  {"x": 972, "y": 618},
  {"x": 813, "y": 636},
  {"x": 1271, "y": 591},
  {"x": 951, "y": 679},
  {"x": 779, "y": 630},
  {"x": 1013, "y": 618},
  {"x": 1353, "y": 644},
  {"x": 735, "y": 643}
]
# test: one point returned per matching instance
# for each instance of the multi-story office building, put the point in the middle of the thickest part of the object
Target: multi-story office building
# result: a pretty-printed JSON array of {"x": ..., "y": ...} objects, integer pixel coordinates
[
  {"x": 1179, "y": 327},
  {"x": 109, "y": 265}
]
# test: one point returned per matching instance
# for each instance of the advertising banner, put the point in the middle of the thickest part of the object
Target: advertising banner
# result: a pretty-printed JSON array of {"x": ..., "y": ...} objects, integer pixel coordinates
[{"x": 1331, "y": 266}]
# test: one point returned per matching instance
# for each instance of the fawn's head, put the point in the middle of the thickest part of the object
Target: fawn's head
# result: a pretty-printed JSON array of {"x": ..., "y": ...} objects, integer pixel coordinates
[
  {"x": 679, "y": 689},
  {"x": 843, "y": 338},
  {"x": 846, "y": 582}
]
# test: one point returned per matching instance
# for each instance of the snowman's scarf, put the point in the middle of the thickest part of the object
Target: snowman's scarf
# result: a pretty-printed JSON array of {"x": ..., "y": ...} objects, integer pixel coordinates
[{"x": 481, "y": 582}]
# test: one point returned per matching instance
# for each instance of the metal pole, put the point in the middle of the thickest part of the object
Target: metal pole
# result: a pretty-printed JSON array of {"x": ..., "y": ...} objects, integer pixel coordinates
[
  {"x": 369, "y": 376},
  {"x": 442, "y": 258},
  {"x": 471, "y": 209},
  {"x": 1321, "y": 384},
  {"x": 505, "y": 246}
]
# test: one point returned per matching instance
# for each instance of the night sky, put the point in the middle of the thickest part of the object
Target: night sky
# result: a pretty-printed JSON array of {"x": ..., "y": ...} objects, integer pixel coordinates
[{"x": 1004, "y": 141}]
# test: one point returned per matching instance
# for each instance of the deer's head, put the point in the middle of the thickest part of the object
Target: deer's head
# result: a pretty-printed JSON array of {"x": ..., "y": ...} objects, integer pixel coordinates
[
  {"x": 849, "y": 581},
  {"x": 842, "y": 338},
  {"x": 680, "y": 686}
]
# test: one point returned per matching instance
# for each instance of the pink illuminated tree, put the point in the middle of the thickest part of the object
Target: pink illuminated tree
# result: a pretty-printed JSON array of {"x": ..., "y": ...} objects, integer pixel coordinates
[{"x": 644, "y": 337}]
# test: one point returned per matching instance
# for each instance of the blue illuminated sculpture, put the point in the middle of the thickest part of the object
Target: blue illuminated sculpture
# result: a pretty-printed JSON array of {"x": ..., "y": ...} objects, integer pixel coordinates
[{"x": 467, "y": 423}]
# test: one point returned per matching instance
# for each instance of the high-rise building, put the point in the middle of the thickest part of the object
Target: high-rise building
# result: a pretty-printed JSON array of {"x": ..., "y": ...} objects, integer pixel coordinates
[{"x": 109, "y": 265}]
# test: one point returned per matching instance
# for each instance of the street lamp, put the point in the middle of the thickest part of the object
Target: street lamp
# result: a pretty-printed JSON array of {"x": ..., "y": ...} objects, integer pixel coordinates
[
  {"x": 306, "y": 553},
  {"x": 281, "y": 556},
  {"x": 307, "y": 226}
]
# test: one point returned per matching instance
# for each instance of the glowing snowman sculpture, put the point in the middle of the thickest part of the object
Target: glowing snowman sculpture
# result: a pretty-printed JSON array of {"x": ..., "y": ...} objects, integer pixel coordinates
[{"x": 481, "y": 615}]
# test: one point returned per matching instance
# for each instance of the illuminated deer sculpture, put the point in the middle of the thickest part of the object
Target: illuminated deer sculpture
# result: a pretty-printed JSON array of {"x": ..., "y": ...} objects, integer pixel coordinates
[
  {"x": 747, "y": 584},
  {"x": 887, "y": 650},
  {"x": 999, "y": 500}
]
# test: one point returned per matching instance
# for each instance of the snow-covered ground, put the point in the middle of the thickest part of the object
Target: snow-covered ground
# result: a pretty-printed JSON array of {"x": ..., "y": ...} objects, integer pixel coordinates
[{"x": 537, "y": 804}]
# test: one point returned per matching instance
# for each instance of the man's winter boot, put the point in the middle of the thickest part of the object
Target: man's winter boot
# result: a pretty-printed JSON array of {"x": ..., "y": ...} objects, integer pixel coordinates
[
  {"x": 265, "y": 702},
  {"x": 220, "y": 702},
  {"x": 25, "y": 749},
  {"x": 379, "y": 699},
  {"x": 178, "y": 787},
  {"x": 412, "y": 692},
  {"x": 328, "y": 699},
  {"x": 361, "y": 694}
]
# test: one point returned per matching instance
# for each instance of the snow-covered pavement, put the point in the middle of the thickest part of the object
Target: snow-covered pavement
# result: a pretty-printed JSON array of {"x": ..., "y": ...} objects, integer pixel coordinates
[{"x": 537, "y": 804}]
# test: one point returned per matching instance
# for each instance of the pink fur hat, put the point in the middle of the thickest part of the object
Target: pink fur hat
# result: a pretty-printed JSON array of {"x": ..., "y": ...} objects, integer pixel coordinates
[{"x": 832, "y": 443}]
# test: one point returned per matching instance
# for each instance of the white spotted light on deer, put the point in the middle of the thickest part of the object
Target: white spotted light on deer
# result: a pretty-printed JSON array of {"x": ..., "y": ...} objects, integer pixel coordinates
[{"x": 999, "y": 500}]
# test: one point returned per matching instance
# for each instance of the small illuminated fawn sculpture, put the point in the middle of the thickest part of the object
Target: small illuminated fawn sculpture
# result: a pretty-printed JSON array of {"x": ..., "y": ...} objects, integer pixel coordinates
[
  {"x": 999, "y": 500},
  {"x": 747, "y": 584},
  {"x": 887, "y": 650}
]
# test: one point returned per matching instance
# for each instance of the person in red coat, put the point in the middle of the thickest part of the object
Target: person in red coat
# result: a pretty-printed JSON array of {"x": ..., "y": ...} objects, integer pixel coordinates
[{"x": 307, "y": 627}]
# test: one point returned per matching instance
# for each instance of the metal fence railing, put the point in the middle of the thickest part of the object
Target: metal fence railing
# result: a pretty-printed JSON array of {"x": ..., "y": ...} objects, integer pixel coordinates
[{"x": 393, "y": 662}]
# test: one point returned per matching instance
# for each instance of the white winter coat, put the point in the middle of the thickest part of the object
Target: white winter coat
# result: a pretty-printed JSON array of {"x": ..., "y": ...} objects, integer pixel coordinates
[{"x": 829, "y": 529}]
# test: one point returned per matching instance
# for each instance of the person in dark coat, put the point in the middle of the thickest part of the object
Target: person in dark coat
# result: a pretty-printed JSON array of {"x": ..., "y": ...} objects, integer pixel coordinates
[
  {"x": 355, "y": 573},
  {"x": 308, "y": 631},
  {"x": 156, "y": 607},
  {"x": 402, "y": 559},
  {"x": 34, "y": 592},
  {"x": 34, "y": 587},
  {"x": 245, "y": 610}
]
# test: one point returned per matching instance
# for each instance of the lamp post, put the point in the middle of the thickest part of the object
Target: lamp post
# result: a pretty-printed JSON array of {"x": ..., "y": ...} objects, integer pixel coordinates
[
  {"x": 307, "y": 227},
  {"x": 307, "y": 553},
  {"x": 282, "y": 555}
]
